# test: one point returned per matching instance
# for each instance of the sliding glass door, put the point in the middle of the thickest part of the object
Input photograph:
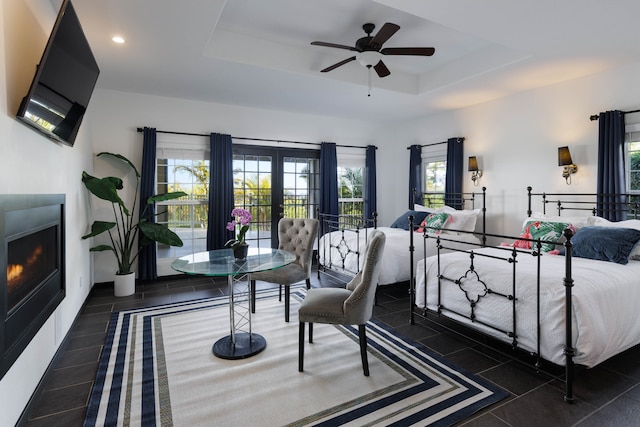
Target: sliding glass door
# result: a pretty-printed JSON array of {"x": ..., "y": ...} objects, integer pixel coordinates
[{"x": 273, "y": 182}]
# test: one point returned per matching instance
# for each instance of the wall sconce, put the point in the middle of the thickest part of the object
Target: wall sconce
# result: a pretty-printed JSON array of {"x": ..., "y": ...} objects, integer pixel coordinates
[
  {"x": 473, "y": 168},
  {"x": 564, "y": 159}
]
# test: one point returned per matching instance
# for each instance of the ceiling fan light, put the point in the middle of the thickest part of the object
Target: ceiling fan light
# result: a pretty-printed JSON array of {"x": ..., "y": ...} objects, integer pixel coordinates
[{"x": 368, "y": 58}]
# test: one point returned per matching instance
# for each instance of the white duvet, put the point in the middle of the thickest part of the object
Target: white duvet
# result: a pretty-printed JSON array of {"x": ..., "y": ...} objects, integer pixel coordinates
[
  {"x": 395, "y": 261},
  {"x": 606, "y": 319}
]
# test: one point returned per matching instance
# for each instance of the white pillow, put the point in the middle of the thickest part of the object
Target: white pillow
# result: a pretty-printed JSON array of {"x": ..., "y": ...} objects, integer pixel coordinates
[
  {"x": 463, "y": 220},
  {"x": 420, "y": 208},
  {"x": 630, "y": 223}
]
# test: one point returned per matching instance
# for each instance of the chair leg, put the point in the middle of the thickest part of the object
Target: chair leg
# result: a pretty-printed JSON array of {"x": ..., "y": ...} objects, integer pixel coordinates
[
  {"x": 308, "y": 284},
  {"x": 286, "y": 302},
  {"x": 301, "y": 347},
  {"x": 310, "y": 332},
  {"x": 279, "y": 292},
  {"x": 252, "y": 291},
  {"x": 363, "y": 349}
]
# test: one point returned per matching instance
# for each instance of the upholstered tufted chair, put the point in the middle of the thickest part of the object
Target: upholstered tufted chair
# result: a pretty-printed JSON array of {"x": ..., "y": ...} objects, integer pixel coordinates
[
  {"x": 296, "y": 235},
  {"x": 352, "y": 305}
]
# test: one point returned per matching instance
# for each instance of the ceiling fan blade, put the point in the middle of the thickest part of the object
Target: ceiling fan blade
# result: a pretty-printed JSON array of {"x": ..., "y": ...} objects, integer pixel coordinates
[
  {"x": 417, "y": 51},
  {"x": 387, "y": 30},
  {"x": 381, "y": 69},
  {"x": 339, "y": 46},
  {"x": 334, "y": 66}
]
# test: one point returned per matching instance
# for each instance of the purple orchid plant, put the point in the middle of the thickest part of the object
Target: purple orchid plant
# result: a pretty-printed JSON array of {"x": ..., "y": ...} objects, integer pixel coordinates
[{"x": 240, "y": 224}]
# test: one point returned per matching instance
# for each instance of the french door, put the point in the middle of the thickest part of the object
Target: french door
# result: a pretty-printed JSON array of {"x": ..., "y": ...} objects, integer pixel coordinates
[{"x": 274, "y": 182}]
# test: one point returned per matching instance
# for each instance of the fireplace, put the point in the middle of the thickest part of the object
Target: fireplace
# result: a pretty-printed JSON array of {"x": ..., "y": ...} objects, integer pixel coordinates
[{"x": 32, "y": 234}]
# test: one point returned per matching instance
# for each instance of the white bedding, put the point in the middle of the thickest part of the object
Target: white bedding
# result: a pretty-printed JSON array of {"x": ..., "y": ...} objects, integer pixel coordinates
[
  {"x": 606, "y": 319},
  {"x": 395, "y": 262}
]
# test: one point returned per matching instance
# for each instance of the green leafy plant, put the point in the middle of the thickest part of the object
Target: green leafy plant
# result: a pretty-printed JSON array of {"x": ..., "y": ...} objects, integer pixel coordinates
[{"x": 127, "y": 227}]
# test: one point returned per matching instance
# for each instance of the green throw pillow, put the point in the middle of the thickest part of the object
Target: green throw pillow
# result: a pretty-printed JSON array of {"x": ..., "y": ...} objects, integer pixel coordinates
[
  {"x": 546, "y": 232},
  {"x": 435, "y": 222}
]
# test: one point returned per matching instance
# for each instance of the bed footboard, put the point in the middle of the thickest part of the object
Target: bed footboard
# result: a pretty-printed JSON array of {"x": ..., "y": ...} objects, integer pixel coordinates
[
  {"x": 471, "y": 299},
  {"x": 342, "y": 237}
]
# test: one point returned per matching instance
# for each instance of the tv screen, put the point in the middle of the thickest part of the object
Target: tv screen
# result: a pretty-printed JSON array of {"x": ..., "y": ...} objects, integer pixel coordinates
[{"x": 64, "y": 81}]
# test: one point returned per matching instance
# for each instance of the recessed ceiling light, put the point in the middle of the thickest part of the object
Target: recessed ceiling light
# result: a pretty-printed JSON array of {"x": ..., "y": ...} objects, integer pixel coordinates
[{"x": 117, "y": 39}]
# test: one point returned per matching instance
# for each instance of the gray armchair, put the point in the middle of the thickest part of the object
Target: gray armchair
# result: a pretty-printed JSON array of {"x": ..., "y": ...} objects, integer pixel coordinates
[
  {"x": 296, "y": 235},
  {"x": 350, "y": 306}
]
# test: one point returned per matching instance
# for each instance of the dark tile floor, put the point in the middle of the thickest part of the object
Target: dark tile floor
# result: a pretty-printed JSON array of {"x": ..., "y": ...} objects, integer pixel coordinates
[{"x": 608, "y": 395}]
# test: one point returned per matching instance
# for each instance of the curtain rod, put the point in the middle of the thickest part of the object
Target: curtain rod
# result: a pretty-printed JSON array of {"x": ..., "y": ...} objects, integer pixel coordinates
[
  {"x": 595, "y": 116},
  {"x": 437, "y": 143},
  {"x": 251, "y": 139}
]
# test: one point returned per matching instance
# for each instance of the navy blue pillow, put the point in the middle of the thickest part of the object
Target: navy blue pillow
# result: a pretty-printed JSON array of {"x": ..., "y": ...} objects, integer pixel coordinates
[
  {"x": 403, "y": 220},
  {"x": 605, "y": 243}
]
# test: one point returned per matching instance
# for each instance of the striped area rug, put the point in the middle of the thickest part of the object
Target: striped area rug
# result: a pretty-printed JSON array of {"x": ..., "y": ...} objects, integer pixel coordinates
[{"x": 157, "y": 368}]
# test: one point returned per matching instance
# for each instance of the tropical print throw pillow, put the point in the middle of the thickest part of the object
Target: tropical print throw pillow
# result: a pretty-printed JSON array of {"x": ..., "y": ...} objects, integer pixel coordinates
[
  {"x": 434, "y": 222},
  {"x": 546, "y": 232}
]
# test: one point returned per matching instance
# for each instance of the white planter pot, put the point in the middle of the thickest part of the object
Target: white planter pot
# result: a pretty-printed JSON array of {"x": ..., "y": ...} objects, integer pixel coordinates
[{"x": 124, "y": 284}]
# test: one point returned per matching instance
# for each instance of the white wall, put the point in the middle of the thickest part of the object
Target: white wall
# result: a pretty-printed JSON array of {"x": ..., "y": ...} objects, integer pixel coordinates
[
  {"x": 516, "y": 141},
  {"x": 29, "y": 164},
  {"x": 118, "y": 114}
]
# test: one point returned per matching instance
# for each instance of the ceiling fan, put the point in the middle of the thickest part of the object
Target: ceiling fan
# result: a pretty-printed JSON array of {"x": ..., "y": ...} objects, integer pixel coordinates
[{"x": 369, "y": 49}]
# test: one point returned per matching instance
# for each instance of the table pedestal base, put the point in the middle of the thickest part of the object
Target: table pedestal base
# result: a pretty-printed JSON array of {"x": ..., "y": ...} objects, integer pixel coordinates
[{"x": 246, "y": 345}]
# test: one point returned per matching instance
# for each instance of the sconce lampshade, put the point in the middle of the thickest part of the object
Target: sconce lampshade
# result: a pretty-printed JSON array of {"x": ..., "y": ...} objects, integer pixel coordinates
[
  {"x": 564, "y": 156},
  {"x": 473, "y": 164}
]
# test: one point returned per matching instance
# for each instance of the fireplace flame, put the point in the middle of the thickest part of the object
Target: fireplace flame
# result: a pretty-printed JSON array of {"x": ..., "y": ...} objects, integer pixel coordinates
[
  {"x": 34, "y": 256},
  {"x": 14, "y": 271}
]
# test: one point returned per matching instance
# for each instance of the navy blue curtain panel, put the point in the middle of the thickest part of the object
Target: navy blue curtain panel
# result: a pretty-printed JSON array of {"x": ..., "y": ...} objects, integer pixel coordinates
[
  {"x": 455, "y": 168},
  {"x": 328, "y": 179},
  {"x": 415, "y": 175},
  {"x": 370, "y": 190},
  {"x": 220, "y": 191},
  {"x": 611, "y": 166},
  {"x": 147, "y": 266}
]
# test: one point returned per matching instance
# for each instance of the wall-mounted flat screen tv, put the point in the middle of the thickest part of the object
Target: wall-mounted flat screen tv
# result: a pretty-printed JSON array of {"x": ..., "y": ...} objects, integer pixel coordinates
[{"x": 64, "y": 81}]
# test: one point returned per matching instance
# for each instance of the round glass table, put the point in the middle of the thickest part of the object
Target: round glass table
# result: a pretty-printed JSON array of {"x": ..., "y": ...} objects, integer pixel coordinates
[{"x": 241, "y": 342}]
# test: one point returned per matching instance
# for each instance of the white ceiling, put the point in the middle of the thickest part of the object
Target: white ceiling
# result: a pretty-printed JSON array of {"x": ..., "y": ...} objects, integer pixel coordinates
[{"x": 257, "y": 52}]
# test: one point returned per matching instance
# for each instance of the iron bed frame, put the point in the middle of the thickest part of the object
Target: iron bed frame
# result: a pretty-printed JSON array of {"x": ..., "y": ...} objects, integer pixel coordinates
[
  {"x": 583, "y": 202},
  {"x": 347, "y": 224},
  {"x": 344, "y": 224}
]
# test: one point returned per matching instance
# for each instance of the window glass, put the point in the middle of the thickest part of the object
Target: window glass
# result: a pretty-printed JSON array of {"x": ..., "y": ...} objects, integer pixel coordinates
[
  {"x": 186, "y": 216},
  {"x": 435, "y": 175},
  {"x": 434, "y": 168},
  {"x": 633, "y": 177},
  {"x": 252, "y": 190},
  {"x": 351, "y": 190},
  {"x": 634, "y": 166},
  {"x": 271, "y": 183},
  {"x": 300, "y": 175}
]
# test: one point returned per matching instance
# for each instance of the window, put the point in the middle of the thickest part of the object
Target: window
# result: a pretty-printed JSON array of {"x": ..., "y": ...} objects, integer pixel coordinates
[
  {"x": 435, "y": 174},
  {"x": 633, "y": 170},
  {"x": 252, "y": 179},
  {"x": 351, "y": 170},
  {"x": 186, "y": 171},
  {"x": 350, "y": 191},
  {"x": 633, "y": 159},
  {"x": 300, "y": 181},
  {"x": 272, "y": 182},
  {"x": 434, "y": 167}
]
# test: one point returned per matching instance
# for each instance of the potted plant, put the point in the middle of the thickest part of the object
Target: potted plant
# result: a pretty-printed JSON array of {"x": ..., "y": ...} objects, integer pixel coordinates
[
  {"x": 126, "y": 228},
  {"x": 240, "y": 224}
]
